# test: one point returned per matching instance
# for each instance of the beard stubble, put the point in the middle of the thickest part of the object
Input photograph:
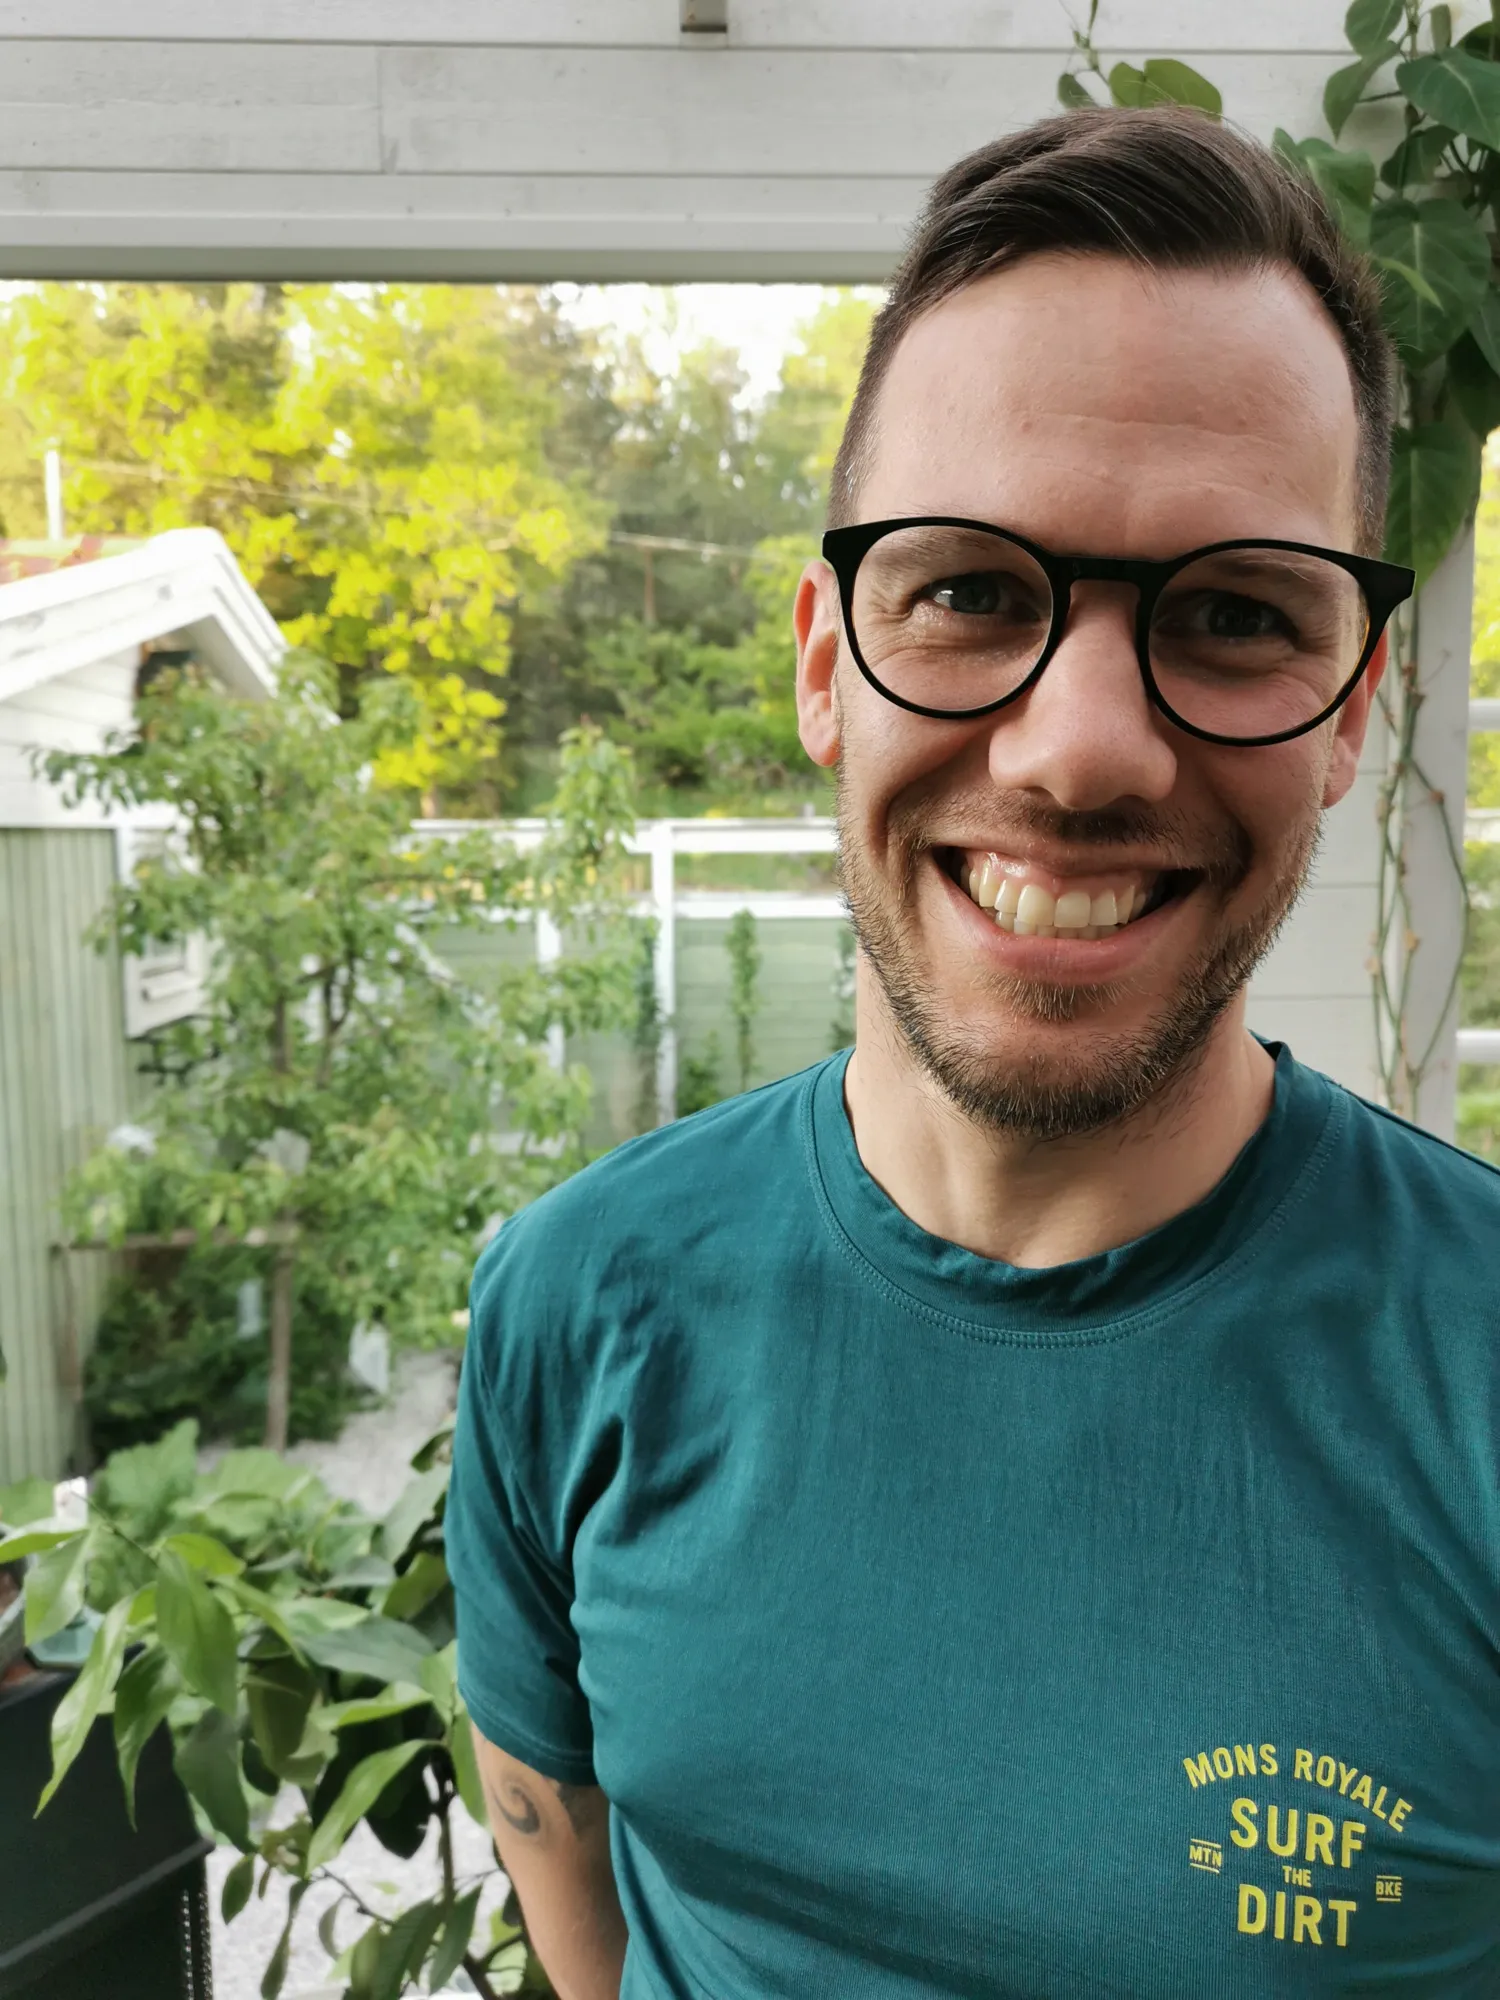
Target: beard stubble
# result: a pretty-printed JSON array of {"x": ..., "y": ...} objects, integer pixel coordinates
[{"x": 1025, "y": 1093}]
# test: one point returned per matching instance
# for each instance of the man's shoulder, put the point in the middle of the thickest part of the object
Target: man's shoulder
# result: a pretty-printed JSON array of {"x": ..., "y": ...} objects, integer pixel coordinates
[
  {"x": 1434, "y": 1181},
  {"x": 645, "y": 1201}
]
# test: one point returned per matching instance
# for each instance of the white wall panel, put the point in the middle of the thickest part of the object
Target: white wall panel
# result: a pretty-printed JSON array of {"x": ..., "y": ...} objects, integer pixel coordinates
[
  {"x": 582, "y": 138},
  {"x": 160, "y": 107},
  {"x": 586, "y": 110},
  {"x": 1174, "y": 26}
]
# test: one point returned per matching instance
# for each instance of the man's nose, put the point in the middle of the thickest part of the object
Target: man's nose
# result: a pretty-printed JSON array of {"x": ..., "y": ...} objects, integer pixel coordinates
[{"x": 1087, "y": 734}]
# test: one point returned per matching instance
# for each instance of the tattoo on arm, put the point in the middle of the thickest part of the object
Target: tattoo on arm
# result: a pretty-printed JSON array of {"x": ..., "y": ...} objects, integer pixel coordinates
[
  {"x": 577, "y": 1802},
  {"x": 513, "y": 1803}
]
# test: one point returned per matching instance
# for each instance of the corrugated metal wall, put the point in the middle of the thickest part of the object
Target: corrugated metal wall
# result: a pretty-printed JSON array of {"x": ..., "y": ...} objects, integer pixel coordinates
[{"x": 64, "y": 1081}]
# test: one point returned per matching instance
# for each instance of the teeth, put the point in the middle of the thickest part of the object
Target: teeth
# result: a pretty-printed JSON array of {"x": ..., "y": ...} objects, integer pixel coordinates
[
  {"x": 986, "y": 883},
  {"x": 1026, "y": 909}
]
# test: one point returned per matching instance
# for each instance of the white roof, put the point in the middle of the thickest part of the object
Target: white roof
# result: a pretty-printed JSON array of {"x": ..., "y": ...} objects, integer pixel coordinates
[{"x": 185, "y": 581}]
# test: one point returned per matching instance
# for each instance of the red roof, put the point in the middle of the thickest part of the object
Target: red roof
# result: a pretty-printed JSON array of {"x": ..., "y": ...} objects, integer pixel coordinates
[{"x": 36, "y": 558}]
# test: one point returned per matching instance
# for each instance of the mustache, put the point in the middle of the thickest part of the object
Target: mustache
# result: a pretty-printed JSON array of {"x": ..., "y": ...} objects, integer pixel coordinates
[{"x": 1222, "y": 854}]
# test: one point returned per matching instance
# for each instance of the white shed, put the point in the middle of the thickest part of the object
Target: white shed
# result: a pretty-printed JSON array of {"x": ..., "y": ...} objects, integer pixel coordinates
[{"x": 76, "y": 628}]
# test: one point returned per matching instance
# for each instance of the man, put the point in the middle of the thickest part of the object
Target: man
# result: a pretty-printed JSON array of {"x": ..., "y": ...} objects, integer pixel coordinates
[{"x": 1017, "y": 1511}]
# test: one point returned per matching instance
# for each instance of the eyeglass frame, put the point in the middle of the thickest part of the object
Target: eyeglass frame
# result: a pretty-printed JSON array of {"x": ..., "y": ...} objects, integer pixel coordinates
[{"x": 1385, "y": 587}]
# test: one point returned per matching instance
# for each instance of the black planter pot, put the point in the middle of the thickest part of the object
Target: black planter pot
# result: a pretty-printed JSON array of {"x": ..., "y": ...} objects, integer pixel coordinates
[{"x": 91, "y": 1909}]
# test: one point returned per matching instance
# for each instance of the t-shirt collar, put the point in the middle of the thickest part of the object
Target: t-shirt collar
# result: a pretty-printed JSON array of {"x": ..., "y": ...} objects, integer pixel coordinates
[{"x": 1093, "y": 1293}]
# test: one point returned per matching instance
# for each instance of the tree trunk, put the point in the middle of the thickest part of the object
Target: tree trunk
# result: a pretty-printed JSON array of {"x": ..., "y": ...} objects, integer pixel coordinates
[{"x": 279, "y": 1383}]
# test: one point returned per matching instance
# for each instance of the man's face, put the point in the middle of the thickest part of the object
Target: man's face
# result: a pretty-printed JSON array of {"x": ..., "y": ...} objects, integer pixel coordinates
[{"x": 1098, "y": 410}]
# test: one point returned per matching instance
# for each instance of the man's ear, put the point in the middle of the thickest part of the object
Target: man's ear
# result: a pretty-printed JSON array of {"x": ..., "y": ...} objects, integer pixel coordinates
[
  {"x": 817, "y": 622},
  {"x": 1350, "y": 725}
]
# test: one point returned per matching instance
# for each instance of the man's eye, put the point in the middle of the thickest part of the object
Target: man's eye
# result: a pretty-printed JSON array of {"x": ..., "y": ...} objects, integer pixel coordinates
[
  {"x": 1239, "y": 618},
  {"x": 971, "y": 596}
]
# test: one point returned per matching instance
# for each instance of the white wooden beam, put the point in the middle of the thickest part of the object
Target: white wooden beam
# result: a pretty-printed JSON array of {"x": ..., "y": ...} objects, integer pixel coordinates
[
  {"x": 338, "y": 139},
  {"x": 1434, "y": 818},
  {"x": 1273, "y": 26}
]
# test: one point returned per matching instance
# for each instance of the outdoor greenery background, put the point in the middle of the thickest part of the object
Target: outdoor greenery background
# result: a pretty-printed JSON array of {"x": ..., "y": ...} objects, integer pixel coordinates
[{"x": 430, "y": 480}]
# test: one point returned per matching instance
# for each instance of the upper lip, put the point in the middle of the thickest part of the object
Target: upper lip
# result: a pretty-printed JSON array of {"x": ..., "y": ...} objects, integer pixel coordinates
[{"x": 1067, "y": 863}]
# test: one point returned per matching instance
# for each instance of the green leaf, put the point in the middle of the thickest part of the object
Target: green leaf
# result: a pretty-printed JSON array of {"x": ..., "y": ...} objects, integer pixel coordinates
[
  {"x": 1370, "y": 21},
  {"x": 1346, "y": 87},
  {"x": 394, "y": 1701},
  {"x": 1071, "y": 93},
  {"x": 1167, "y": 81},
  {"x": 415, "y": 1506},
  {"x": 27, "y": 1500},
  {"x": 440, "y": 1678},
  {"x": 147, "y": 1689},
  {"x": 328, "y": 1927},
  {"x": 198, "y": 1633},
  {"x": 1457, "y": 89},
  {"x": 206, "y": 1553},
  {"x": 379, "y": 1648},
  {"x": 1485, "y": 327},
  {"x": 362, "y": 1788},
  {"x": 364, "y": 1573},
  {"x": 35, "y": 1542},
  {"x": 138, "y": 1486},
  {"x": 274, "y": 1976},
  {"x": 460, "y": 1741},
  {"x": 1418, "y": 157},
  {"x": 271, "y": 1613},
  {"x": 1434, "y": 484},
  {"x": 363, "y": 1960},
  {"x": 237, "y": 1886},
  {"x": 1474, "y": 386},
  {"x": 279, "y": 1693},
  {"x": 1127, "y": 85},
  {"x": 1413, "y": 278},
  {"x": 454, "y": 1942},
  {"x": 76, "y": 1713},
  {"x": 1346, "y": 181},
  {"x": 1447, "y": 247},
  {"x": 54, "y": 1588},
  {"x": 404, "y": 1948},
  {"x": 208, "y": 1763},
  {"x": 1440, "y": 20},
  {"x": 417, "y": 1585}
]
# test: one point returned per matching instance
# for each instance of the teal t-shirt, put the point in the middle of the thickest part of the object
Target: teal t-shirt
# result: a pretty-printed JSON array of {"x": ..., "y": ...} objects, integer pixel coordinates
[{"x": 935, "y": 1627}]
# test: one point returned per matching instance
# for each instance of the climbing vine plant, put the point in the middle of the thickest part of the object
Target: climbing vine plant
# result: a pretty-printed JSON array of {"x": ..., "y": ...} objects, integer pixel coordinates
[{"x": 1421, "y": 196}]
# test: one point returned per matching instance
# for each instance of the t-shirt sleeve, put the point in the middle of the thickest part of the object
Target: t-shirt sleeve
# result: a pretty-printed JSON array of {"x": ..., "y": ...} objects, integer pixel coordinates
[{"x": 517, "y": 1650}]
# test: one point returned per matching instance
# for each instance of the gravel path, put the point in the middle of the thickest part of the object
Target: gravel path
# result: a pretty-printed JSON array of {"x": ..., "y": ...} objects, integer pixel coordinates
[{"x": 368, "y": 1463}]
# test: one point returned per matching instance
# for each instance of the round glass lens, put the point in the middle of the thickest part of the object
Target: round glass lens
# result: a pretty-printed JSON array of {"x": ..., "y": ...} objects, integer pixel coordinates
[
  {"x": 950, "y": 618},
  {"x": 1250, "y": 642}
]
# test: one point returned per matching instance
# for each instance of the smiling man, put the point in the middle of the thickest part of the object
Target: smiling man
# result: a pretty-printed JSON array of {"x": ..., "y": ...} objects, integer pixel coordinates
[{"x": 1015, "y": 1510}]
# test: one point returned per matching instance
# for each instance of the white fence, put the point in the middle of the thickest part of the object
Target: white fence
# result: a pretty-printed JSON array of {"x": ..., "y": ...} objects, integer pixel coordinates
[{"x": 661, "y": 841}]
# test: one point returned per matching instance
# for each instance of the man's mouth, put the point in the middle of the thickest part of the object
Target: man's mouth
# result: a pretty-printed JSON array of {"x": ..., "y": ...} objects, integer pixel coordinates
[{"x": 1032, "y": 902}]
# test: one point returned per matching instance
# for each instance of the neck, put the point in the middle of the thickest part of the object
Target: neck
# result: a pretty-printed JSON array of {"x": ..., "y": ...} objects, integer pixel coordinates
[{"x": 1036, "y": 1203}]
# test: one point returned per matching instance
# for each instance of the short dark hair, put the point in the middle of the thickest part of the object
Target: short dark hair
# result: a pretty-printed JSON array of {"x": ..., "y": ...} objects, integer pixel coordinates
[{"x": 1167, "y": 187}]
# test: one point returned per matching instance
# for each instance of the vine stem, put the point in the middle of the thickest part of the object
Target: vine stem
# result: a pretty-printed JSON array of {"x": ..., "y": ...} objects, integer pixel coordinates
[{"x": 480, "y": 1977}]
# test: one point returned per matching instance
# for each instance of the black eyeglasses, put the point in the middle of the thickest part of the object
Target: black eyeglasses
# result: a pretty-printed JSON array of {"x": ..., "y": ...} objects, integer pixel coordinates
[{"x": 1240, "y": 642}]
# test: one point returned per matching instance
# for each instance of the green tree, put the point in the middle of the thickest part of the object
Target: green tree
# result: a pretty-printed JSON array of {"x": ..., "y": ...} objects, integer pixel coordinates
[
  {"x": 341, "y": 1092},
  {"x": 376, "y": 456}
]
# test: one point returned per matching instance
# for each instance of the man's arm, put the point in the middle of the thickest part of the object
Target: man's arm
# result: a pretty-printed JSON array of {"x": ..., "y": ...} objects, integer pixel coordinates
[{"x": 553, "y": 1841}]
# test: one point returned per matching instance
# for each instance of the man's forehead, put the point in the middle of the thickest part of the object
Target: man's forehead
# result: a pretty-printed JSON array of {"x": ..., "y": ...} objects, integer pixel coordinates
[{"x": 1088, "y": 371}]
